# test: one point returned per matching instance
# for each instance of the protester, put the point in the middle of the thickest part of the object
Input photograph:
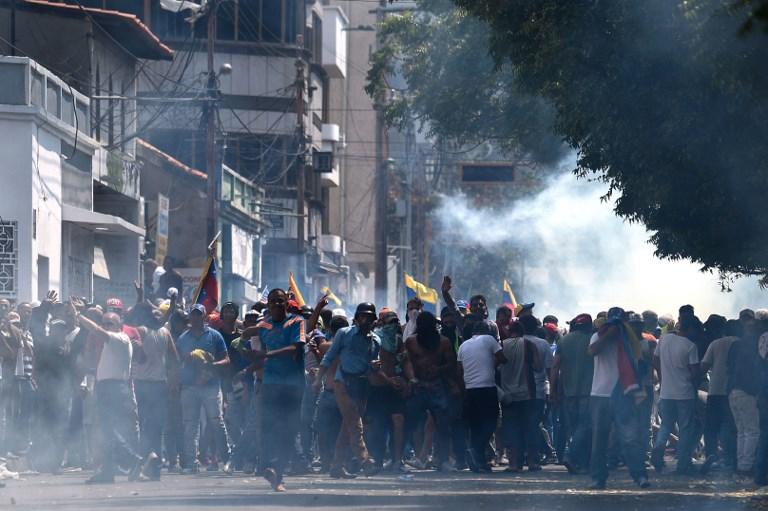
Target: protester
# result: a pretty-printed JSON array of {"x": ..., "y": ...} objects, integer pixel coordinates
[
  {"x": 203, "y": 355},
  {"x": 357, "y": 348},
  {"x": 478, "y": 357},
  {"x": 677, "y": 361}
]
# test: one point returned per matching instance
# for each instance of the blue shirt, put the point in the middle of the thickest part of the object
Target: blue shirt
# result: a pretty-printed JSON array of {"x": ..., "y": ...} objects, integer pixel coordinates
[
  {"x": 274, "y": 335},
  {"x": 209, "y": 340},
  {"x": 355, "y": 352}
]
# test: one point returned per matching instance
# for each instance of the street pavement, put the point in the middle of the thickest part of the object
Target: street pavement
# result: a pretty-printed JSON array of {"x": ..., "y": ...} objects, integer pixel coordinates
[{"x": 551, "y": 489}]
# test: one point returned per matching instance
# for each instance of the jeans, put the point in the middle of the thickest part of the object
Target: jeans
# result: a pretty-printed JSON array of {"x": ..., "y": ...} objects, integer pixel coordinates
[
  {"x": 579, "y": 428},
  {"x": 119, "y": 423},
  {"x": 761, "y": 463},
  {"x": 719, "y": 426},
  {"x": 481, "y": 411},
  {"x": 174, "y": 428},
  {"x": 379, "y": 423},
  {"x": 520, "y": 438},
  {"x": 328, "y": 426},
  {"x": 235, "y": 414},
  {"x": 745, "y": 415},
  {"x": 152, "y": 403},
  {"x": 308, "y": 412},
  {"x": 350, "y": 441},
  {"x": 680, "y": 412},
  {"x": 281, "y": 406},
  {"x": 458, "y": 433},
  {"x": 209, "y": 398},
  {"x": 605, "y": 414},
  {"x": 248, "y": 448},
  {"x": 436, "y": 401}
]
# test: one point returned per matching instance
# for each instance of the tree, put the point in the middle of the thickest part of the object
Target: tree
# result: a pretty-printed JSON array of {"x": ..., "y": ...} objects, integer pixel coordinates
[
  {"x": 453, "y": 88},
  {"x": 663, "y": 101}
]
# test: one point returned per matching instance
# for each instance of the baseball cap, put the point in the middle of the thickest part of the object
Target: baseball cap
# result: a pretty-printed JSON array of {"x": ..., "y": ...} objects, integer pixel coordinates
[
  {"x": 523, "y": 306},
  {"x": 581, "y": 319},
  {"x": 551, "y": 327},
  {"x": 366, "y": 308},
  {"x": 198, "y": 307},
  {"x": 115, "y": 303},
  {"x": 462, "y": 304}
]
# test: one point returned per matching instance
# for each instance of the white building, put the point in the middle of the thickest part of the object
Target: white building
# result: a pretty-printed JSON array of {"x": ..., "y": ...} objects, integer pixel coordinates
[{"x": 50, "y": 236}]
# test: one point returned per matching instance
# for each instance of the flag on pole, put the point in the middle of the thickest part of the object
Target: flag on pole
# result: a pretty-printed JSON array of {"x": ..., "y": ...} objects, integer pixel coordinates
[
  {"x": 418, "y": 290},
  {"x": 294, "y": 290},
  {"x": 509, "y": 294},
  {"x": 207, "y": 292},
  {"x": 264, "y": 295},
  {"x": 335, "y": 299}
]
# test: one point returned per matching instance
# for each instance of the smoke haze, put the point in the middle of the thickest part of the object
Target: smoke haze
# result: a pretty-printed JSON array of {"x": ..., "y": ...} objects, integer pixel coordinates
[{"x": 580, "y": 257}]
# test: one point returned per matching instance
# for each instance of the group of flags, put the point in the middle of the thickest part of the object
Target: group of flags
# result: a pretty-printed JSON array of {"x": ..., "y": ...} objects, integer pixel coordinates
[{"x": 208, "y": 291}]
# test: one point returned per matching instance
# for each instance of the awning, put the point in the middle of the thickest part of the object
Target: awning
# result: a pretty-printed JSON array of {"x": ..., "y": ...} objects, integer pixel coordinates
[{"x": 100, "y": 223}]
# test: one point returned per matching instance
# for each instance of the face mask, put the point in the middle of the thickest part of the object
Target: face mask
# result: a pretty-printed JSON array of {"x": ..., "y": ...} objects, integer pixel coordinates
[{"x": 387, "y": 333}]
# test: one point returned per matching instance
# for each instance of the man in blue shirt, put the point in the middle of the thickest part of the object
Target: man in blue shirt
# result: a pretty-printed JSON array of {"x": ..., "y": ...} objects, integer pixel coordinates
[
  {"x": 280, "y": 345},
  {"x": 356, "y": 347},
  {"x": 203, "y": 353}
]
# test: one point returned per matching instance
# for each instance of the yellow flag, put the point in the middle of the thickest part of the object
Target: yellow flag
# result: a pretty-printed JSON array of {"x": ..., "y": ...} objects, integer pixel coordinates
[
  {"x": 327, "y": 291},
  {"x": 424, "y": 293},
  {"x": 294, "y": 290},
  {"x": 508, "y": 290}
]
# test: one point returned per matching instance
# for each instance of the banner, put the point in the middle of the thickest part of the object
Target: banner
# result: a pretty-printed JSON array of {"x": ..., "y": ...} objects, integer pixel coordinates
[
  {"x": 418, "y": 290},
  {"x": 161, "y": 236},
  {"x": 294, "y": 290},
  {"x": 510, "y": 296}
]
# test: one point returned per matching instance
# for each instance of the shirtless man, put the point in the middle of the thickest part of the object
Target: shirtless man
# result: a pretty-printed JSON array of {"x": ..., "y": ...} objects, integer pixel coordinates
[{"x": 430, "y": 366}]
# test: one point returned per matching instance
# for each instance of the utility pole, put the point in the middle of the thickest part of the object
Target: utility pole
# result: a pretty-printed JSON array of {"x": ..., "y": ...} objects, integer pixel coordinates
[
  {"x": 302, "y": 160},
  {"x": 210, "y": 130},
  {"x": 381, "y": 185}
]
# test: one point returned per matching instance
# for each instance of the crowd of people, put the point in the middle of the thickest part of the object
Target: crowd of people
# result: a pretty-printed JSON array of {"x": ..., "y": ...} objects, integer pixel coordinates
[{"x": 289, "y": 389}]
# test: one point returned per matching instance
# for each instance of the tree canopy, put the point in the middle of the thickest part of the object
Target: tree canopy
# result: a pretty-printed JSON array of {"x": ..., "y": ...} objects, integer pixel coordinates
[{"x": 663, "y": 100}]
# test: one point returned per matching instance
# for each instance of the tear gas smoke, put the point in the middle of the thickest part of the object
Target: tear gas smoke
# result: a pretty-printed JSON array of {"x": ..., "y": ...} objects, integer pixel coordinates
[{"x": 580, "y": 257}]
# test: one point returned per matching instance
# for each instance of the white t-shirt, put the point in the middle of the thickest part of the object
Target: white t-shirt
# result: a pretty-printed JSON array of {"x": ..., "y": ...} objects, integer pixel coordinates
[
  {"x": 676, "y": 354},
  {"x": 115, "y": 360},
  {"x": 606, "y": 372},
  {"x": 477, "y": 360}
]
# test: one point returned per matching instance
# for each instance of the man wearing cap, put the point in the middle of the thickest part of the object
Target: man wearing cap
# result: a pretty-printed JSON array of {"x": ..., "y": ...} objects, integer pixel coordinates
[
  {"x": 572, "y": 372},
  {"x": 115, "y": 402},
  {"x": 356, "y": 347},
  {"x": 277, "y": 344},
  {"x": 203, "y": 354},
  {"x": 478, "y": 308}
]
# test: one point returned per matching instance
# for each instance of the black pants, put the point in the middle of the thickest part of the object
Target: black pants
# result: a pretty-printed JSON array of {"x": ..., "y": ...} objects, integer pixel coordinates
[
  {"x": 481, "y": 411},
  {"x": 280, "y": 424},
  {"x": 719, "y": 428}
]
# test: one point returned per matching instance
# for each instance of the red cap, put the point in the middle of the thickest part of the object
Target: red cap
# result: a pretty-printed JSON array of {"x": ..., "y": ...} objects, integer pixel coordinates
[
  {"x": 115, "y": 303},
  {"x": 551, "y": 327},
  {"x": 293, "y": 305},
  {"x": 582, "y": 319}
]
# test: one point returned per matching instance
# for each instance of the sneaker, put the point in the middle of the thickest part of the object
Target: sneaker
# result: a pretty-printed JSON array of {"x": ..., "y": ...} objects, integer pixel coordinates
[
  {"x": 279, "y": 488},
  {"x": 271, "y": 476},
  {"x": 228, "y": 469},
  {"x": 643, "y": 483},
  {"x": 341, "y": 473},
  {"x": 150, "y": 471},
  {"x": 101, "y": 478},
  {"x": 370, "y": 467},
  {"x": 416, "y": 463}
]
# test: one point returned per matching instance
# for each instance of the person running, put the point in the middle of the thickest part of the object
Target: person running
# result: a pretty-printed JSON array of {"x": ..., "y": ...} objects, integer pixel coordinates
[
  {"x": 279, "y": 344},
  {"x": 429, "y": 366}
]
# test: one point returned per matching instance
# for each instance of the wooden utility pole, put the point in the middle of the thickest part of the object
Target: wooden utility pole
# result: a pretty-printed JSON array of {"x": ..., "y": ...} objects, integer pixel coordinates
[
  {"x": 210, "y": 130},
  {"x": 380, "y": 189},
  {"x": 302, "y": 159}
]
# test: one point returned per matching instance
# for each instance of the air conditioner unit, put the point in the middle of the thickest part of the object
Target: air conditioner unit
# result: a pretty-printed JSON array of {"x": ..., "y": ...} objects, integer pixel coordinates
[{"x": 322, "y": 161}]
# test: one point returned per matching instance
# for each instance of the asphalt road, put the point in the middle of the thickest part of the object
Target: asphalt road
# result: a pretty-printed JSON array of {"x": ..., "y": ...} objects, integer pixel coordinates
[{"x": 552, "y": 489}]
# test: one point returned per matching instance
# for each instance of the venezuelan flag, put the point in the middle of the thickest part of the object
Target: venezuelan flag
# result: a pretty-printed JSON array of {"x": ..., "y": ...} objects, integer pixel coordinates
[
  {"x": 425, "y": 294},
  {"x": 509, "y": 294},
  {"x": 294, "y": 290},
  {"x": 335, "y": 299},
  {"x": 207, "y": 292}
]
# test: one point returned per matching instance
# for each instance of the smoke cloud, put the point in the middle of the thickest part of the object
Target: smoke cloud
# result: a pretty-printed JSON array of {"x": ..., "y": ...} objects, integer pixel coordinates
[{"x": 580, "y": 257}]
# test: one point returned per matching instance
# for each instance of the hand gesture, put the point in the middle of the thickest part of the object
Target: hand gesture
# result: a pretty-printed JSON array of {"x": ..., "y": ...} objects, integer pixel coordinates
[
  {"x": 77, "y": 303},
  {"x": 322, "y": 303},
  {"x": 447, "y": 284},
  {"x": 51, "y": 297}
]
